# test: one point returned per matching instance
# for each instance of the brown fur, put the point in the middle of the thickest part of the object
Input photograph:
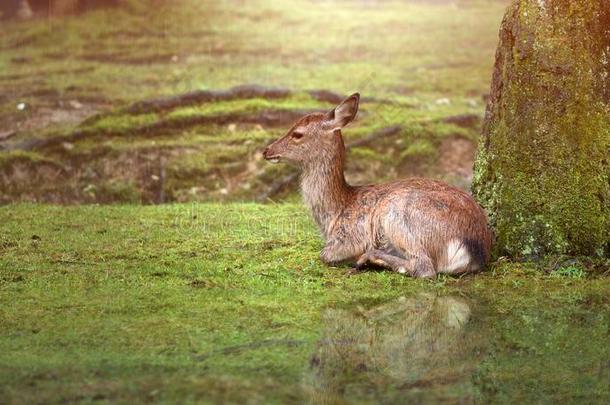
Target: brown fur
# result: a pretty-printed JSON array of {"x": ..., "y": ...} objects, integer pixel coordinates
[{"x": 416, "y": 226}]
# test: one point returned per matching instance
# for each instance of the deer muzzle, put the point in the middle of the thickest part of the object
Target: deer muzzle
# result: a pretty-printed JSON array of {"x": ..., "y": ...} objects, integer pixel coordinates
[{"x": 270, "y": 156}]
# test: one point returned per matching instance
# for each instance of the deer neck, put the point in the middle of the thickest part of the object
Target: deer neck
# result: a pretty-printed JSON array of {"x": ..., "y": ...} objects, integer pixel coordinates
[{"x": 325, "y": 190}]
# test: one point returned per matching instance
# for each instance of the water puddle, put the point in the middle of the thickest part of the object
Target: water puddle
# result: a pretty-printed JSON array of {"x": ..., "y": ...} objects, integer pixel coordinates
[
  {"x": 420, "y": 347},
  {"x": 435, "y": 348}
]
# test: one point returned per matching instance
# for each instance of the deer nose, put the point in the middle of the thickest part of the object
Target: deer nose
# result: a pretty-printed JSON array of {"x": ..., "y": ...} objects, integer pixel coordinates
[{"x": 266, "y": 152}]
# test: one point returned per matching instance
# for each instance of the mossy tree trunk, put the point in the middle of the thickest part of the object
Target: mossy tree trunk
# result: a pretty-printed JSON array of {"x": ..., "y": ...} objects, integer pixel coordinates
[{"x": 542, "y": 168}]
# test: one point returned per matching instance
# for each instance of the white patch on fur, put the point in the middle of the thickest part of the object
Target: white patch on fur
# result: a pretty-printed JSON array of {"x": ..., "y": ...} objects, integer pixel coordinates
[
  {"x": 457, "y": 257},
  {"x": 402, "y": 270}
]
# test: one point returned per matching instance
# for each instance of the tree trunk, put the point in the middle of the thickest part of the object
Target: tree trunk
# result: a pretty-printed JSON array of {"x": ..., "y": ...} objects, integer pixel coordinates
[{"x": 542, "y": 169}]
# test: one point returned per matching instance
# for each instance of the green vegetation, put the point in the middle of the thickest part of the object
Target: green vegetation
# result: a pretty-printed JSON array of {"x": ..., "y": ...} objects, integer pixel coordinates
[
  {"x": 214, "y": 148},
  {"x": 77, "y": 76},
  {"x": 230, "y": 303},
  {"x": 227, "y": 303}
]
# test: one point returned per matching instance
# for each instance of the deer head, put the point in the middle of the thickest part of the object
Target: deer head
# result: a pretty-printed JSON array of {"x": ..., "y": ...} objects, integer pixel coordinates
[{"x": 315, "y": 138}]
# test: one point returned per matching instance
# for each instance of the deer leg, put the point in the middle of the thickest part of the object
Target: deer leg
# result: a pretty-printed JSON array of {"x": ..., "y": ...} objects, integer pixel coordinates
[
  {"x": 416, "y": 266},
  {"x": 335, "y": 252}
]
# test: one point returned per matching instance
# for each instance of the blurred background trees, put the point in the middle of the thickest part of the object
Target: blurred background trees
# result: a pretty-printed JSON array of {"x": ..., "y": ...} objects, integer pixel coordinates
[{"x": 25, "y": 9}]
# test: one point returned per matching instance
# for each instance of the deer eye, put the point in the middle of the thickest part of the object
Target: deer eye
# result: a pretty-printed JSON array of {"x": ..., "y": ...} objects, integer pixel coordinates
[{"x": 296, "y": 135}]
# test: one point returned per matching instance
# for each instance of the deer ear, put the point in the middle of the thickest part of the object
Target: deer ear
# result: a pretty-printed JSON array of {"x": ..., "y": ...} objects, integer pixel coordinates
[{"x": 344, "y": 113}]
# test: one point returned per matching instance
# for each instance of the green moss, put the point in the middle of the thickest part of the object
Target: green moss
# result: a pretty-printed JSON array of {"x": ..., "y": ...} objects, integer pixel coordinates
[
  {"x": 229, "y": 302},
  {"x": 245, "y": 106},
  {"x": 114, "y": 190},
  {"x": 369, "y": 155},
  {"x": 419, "y": 148},
  {"x": 569, "y": 271},
  {"x": 120, "y": 124},
  {"x": 442, "y": 130},
  {"x": 542, "y": 169},
  {"x": 28, "y": 157}
]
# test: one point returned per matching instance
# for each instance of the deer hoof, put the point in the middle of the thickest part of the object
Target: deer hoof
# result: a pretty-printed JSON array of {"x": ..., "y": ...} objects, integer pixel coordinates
[
  {"x": 354, "y": 271},
  {"x": 362, "y": 261}
]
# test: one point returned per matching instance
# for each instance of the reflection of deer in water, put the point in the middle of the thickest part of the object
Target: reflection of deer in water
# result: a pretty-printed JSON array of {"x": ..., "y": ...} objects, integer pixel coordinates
[
  {"x": 407, "y": 343},
  {"x": 420, "y": 227}
]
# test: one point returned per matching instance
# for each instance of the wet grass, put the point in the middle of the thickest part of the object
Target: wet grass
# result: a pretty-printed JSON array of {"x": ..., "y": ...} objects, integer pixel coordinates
[{"x": 230, "y": 303}]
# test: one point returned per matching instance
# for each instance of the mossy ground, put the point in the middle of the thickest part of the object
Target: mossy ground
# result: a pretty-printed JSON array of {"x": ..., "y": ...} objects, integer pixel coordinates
[
  {"x": 421, "y": 63},
  {"x": 228, "y": 302},
  {"x": 225, "y": 302}
]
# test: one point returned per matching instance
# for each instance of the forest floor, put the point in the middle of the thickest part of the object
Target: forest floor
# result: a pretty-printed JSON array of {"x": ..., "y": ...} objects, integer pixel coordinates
[
  {"x": 229, "y": 303},
  {"x": 75, "y": 126}
]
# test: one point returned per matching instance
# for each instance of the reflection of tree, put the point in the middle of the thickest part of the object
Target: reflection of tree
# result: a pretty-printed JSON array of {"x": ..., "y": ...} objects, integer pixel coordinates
[{"x": 405, "y": 344}]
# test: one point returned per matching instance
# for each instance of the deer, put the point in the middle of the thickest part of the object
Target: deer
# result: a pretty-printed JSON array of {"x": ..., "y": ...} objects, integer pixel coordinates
[{"x": 416, "y": 226}]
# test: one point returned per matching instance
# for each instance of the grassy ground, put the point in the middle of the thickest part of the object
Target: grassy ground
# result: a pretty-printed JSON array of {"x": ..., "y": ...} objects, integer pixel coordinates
[
  {"x": 230, "y": 303},
  {"x": 416, "y": 64}
]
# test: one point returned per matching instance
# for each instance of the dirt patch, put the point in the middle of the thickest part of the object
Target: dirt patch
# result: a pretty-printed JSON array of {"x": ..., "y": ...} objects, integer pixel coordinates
[
  {"x": 25, "y": 181},
  {"x": 46, "y": 73},
  {"x": 456, "y": 157},
  {"x": 104, "y": 177},
  {"x": 327, "y": 96},
  {"x": 464, "y": 120},
  {"x": 49, "y": 108},
  {"x": 25, "y": 40},
  {"x": 44, "y": 117},
  {"x": 130, "y": 59},
  {"x": 69, "y": 112}
]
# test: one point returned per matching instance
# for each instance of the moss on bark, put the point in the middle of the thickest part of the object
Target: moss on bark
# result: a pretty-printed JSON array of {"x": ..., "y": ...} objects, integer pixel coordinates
[{"x": 542, "y": 168}]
